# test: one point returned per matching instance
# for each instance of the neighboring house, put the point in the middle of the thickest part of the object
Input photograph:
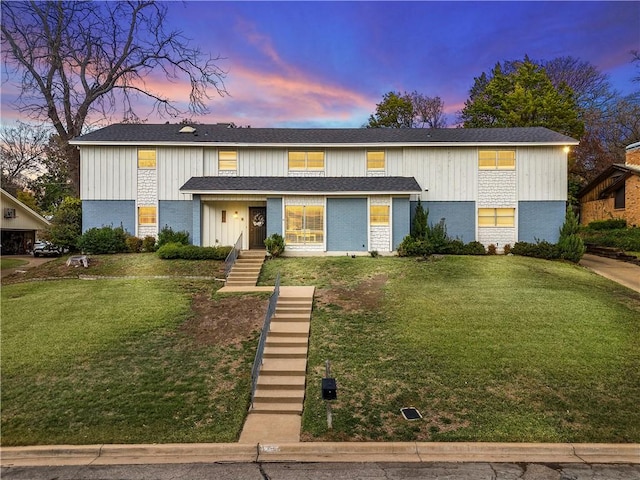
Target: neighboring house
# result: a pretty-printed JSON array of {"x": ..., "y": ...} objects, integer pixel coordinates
[
  {"x": 324, "y": 190},
  {"x": 615, "y": 193},
  {"x": 20, "y": 225}
]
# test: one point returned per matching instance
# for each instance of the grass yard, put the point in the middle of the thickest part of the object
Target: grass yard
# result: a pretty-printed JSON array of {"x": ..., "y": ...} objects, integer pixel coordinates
[
  {"x": 6, "y": 263},
  {"x": 486, "y": 348},
  {"x": 124, "y": 361}
]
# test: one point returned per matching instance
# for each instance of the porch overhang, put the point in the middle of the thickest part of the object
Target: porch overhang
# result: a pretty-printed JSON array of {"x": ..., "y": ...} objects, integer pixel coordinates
[{"x": 327, "y": 186}]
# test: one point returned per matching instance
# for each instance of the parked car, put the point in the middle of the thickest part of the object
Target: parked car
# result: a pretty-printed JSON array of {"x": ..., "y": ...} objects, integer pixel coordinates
[{"x": 47, "y": 249}]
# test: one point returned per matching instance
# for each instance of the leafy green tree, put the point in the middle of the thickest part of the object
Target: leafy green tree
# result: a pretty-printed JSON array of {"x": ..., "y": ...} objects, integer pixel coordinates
[
  {"x": 521, "y": 96},
  {"x": 408, "y": 110},
  {"x": 395, "y": 111},
  {"x": 66, "y": 226}
]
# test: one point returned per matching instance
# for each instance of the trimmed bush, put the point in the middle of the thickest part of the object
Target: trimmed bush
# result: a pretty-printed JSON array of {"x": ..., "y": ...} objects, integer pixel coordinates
[
  {"x": 624, "y": 238},
  {"x": 104, "y": 240},
  {"x": 413, "y": 247},
  {"x": 492, "y": 249},
  {"x": 611, "y": 224},
  {"x": 540, "y": 249},
  {"x": 275, "y": 245},
  {"x": 173, "y": 251},
  {"x": 507, "y": 249},
  {"x": 474, "y": 248},
  {"x": 149, "y": 244},
  {"x": 134, "y": 244},
  {"x": 167, "y": 235}
]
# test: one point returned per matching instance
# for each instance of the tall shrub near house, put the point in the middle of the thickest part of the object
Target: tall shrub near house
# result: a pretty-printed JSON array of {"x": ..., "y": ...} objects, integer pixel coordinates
[
  {"x": 419, "y": 226},
  {"x": 570, "y": 245},
  {"x": 66, "y": 226}
]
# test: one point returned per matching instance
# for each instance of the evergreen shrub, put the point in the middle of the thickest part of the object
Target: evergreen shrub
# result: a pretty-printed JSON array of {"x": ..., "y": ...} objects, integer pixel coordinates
[
  {"x": 167, "y": 235},
  {"x": 149, "y": 244},
  {"x": 274, "y": 245},
  {"x": 104, "y": 240},
  {"x": 134, "y": 244},
  {"x": 174, "y": 251},
  {"x": 610, "y": 224}
]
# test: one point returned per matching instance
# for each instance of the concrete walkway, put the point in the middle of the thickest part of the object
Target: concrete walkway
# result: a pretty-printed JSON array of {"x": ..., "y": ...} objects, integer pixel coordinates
[{"x": 624, "y": 273}]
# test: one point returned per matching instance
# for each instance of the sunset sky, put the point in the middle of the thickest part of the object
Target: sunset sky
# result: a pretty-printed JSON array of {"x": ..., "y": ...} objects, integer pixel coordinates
[{"x": 327, "y": 64}]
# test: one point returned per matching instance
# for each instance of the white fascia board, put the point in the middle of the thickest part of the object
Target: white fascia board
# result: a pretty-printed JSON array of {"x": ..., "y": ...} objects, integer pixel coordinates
[
  {"x": 324, "y": 145},
  {"x": 271, "y": 193}
]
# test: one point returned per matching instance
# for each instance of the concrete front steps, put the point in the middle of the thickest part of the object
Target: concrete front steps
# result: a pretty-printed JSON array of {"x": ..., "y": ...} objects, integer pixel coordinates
[
  {"x": 280, "y": 390},
  {"x": 246, "y": 270}
]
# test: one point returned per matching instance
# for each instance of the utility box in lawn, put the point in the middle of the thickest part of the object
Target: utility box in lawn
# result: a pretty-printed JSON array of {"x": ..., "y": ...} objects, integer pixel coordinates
[{"x": 329, "y": 389}]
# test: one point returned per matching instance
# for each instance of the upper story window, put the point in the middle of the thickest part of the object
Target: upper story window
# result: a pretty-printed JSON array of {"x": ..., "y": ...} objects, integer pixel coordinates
[
  {"x": 379, "y": 215},
  {"x": 497, "y": 159},
  {"x": 306, "y": 160},
  {"x": 146, "y": 158},
  {"x": 227, "y": 160},
  {"x": 375, "y": 160}
]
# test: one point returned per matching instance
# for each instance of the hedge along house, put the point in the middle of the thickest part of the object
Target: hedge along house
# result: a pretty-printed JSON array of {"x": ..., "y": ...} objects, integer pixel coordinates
[
  {"x": 615, "y": 193},
  {"x": 324, "y": 190}
]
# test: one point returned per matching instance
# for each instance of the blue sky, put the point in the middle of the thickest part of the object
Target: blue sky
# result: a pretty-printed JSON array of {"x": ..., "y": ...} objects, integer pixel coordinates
[{"x": 327, "y": 64}]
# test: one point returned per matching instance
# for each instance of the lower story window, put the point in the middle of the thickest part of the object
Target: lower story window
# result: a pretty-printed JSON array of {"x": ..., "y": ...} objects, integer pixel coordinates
[
  {"x": 379, "y": 215},
  {"x": 146, "y": 215},
  {"x": 304, "y": 224},
  {"x": 496, "y": 217}
]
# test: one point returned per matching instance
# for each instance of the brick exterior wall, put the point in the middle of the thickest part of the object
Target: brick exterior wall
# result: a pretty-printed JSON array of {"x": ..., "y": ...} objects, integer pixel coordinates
[
  {"x": 632, "y": 198},
  {"x": 633, "y": 156}
]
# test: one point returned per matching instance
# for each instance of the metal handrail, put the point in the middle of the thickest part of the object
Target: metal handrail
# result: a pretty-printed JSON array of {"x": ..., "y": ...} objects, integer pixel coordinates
[
  {"x": 257, "y": 363},
  {"x": 232, "y": 257}
]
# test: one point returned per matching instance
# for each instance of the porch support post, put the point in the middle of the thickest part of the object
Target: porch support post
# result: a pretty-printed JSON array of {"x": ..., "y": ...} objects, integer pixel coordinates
[{"x": 197, "y": 221}]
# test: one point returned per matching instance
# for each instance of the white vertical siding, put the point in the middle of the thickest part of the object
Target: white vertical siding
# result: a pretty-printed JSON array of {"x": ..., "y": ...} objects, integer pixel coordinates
[
  {"x": 542, "y": 173},
  {"x": 108, "y": 173},
  {"x": 449, "y": 174},
  {"x": 214, "y": 231},
  {"x": 175, "y": 166},
  {"x": 345, "y": 162},
  {"x": 210, "y": 162},
  {"x": 255, "y": 162}
]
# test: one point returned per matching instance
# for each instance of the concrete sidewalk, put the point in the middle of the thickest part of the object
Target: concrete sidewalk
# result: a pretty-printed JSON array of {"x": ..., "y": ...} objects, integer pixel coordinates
[
  {"x": 624, "y": 273},
  {"x": 415, "y": 452}
]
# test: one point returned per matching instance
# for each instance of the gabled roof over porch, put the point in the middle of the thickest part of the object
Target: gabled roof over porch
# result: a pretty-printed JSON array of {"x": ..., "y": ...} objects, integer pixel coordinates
[{"x": 302, "y": 185}]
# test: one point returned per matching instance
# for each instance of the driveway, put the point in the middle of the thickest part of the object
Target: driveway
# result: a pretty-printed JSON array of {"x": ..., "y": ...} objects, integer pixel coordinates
[
  {"x": 624, "y": 273},
  {"x": 33, "y": 262}
]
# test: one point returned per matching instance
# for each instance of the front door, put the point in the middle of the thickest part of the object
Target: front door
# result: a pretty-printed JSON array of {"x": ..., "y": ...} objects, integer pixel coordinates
[{"x": 257, "y": 227}]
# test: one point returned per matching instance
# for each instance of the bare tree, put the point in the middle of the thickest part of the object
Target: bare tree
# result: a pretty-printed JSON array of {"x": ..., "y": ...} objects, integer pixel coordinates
[
  {"x": 22, "y": 154},
  {"x": 428, "y": 111},
  {"x": 77, "y": 58}
]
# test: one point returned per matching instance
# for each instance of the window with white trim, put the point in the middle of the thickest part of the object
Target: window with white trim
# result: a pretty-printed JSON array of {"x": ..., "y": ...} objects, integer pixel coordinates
[
  {"x": 379, "y": 215},
  {"x": 146, "y": 158},
  {"x": 496, "y": 217},
  {"x": 375, "y": 161},
  {"x": 228, "y": 160},
  {"x": 304, "y": 224},
  {"x": 497, "y": 159},
  {"x": 301, "y": 161},
  {"x": 147, "y": 215}
]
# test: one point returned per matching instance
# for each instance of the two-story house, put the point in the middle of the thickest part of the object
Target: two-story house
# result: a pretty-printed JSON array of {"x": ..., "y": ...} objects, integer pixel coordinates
[{"x": 324, "y": 190}]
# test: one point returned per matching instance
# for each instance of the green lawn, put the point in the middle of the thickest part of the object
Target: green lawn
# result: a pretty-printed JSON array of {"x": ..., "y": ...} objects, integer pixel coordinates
[
  {"x": 6, "y": 263},
  {"x": 119, "y": 361},
  {"x": 487, "y": 348}
]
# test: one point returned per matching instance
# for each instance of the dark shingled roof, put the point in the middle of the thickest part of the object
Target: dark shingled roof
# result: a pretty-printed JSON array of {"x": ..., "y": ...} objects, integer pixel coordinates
[
  {"x": 302, "y": 184},
  {"x": 221, "y": 133}
]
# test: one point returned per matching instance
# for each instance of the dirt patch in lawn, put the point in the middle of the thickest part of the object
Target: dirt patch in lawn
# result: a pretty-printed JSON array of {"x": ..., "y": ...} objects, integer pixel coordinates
[
  {"x": 225, "y": 321},
  {"x": 366, "y": 296}
]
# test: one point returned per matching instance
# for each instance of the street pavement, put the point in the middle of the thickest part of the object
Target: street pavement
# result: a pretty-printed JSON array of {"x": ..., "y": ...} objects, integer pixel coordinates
[{"x": 333, "y": 471}]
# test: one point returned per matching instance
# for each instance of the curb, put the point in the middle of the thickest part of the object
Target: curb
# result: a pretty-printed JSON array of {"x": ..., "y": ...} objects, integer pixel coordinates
[{"x": 418, "y": 452}]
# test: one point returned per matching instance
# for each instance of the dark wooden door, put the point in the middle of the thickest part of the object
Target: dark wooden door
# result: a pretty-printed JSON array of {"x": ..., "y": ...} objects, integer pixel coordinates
[{"x": 257, "y": 226}]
